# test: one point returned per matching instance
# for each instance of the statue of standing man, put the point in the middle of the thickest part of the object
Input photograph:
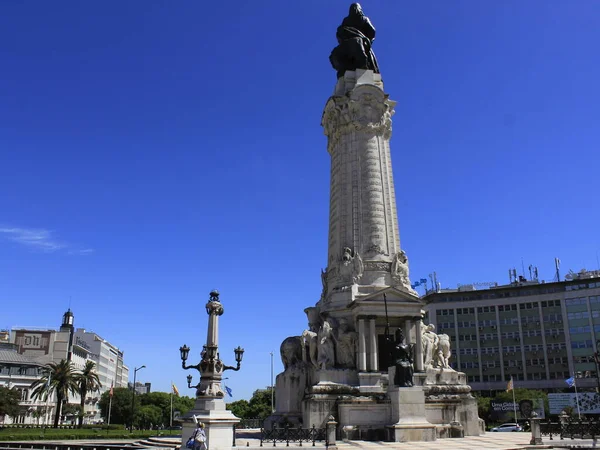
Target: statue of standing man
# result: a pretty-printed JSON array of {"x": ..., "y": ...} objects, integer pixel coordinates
[{"x": 355, "y": 38}]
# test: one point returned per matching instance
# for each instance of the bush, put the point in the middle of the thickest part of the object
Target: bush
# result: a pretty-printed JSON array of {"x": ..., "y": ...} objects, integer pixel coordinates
[{"x": 24, "y": 434}]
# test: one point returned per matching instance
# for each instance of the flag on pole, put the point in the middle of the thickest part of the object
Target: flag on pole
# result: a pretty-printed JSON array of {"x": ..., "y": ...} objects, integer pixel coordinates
[
  {"x": 112, "y": 391},
  {"x": 510, "y": 386},
  {"x": 229, "y": 391},
  {"x": 570, "y": 381},
  {"x": 175, "y": 390}
]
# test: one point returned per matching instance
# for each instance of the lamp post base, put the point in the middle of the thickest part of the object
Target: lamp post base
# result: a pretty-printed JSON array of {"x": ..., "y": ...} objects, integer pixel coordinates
[{"x": 218, "y": 422}]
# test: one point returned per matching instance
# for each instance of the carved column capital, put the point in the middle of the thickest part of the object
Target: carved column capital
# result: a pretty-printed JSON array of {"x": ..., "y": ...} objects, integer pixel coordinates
[{"x": 366, "y": 109}]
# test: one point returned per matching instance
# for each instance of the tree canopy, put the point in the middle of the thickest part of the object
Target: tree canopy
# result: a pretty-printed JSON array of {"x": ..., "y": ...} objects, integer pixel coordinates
[
  {"x": 120, "y": 409},
  {"x": 9, "y": 401},
  {"x": 160, "y": 403},
  {"x": 60, "y": 379},
  {"x": 259, "y": 406},
  {"x": 87, "y": 382}
]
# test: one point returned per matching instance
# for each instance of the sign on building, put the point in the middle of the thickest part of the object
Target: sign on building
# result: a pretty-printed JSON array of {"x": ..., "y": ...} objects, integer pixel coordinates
[
  {"x": 589, "y": 402},
  {"x": 505, "y": 411},
  {"x": 33, "y": 343}
]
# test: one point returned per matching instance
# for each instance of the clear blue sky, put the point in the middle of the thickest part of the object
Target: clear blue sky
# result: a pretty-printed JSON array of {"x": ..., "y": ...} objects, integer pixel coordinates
[{"x": 151, "y": 151}]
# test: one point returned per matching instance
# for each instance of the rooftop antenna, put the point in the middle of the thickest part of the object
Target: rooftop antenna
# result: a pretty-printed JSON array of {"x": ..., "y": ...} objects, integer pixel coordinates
[
  {"x": 530, "y": 272},
  {"x": 522, "y": 267},
  {"x": 557, "y": 265}
]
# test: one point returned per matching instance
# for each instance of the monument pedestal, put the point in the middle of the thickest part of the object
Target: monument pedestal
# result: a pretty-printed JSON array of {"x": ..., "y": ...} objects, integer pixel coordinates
[
  {"x": 448, "y": 400},
  {"x": 408, "y": 415},
  {"x": 371, "y": 383},
  {"x": 218, "y": 423}
]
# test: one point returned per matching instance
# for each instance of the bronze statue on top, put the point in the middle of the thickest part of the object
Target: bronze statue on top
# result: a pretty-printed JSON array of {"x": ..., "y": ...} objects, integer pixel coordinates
[{"x": 355, "y": 37}]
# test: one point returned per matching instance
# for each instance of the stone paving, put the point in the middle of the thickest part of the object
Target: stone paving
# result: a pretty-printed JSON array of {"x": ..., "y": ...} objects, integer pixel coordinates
[{"x": 489, "y": 441}]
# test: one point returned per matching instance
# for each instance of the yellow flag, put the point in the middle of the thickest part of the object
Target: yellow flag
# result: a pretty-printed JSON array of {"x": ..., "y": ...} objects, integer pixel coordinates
[
  {"x": 509, "y": 386},
  {"x": 175, "y": 390}
]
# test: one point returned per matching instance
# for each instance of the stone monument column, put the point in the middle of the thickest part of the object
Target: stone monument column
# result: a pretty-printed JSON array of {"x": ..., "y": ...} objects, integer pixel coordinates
[
  {"x": 419, "y": 346},
  {"x": 407, "y": 330},
  {"x": 364, "y": 243},
  {"x": 362, "y": 346},
  {"x": 373, "y": 354}
]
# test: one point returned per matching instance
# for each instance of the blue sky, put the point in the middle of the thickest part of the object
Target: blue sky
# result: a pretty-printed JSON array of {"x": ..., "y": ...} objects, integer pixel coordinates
[{"x": 151, "y": 151}]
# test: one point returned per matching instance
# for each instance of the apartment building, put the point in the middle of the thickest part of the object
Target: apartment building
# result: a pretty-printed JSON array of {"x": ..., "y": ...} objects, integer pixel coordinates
[{"x": 25, "y": 350}]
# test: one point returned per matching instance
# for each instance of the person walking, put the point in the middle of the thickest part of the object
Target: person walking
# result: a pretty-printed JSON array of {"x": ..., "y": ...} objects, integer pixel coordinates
[{"x": 200, "y": 437}]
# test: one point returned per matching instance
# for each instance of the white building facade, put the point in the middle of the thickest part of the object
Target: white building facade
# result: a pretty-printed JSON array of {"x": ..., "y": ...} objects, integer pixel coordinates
[{"x": 24, "y": 351}]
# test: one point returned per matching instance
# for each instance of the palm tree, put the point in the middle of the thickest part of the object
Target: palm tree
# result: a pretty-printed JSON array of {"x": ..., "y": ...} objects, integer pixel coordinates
[
  {"x": 59, "y": 378},
  {"x": 88, "y": 382}
]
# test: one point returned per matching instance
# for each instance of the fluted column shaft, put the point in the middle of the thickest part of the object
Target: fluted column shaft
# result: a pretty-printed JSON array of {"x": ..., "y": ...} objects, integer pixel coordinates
[{"x": 362, "y": 346}]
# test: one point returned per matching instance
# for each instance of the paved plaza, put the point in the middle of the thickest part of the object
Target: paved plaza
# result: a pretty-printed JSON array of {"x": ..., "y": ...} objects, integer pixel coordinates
[{"x": 490, "y": 441}]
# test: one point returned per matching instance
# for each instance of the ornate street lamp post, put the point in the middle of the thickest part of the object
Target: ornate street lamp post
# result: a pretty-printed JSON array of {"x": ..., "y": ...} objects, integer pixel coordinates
[
  {"x": 210, "y": 366},
  {"x": 210, "y": 404}
]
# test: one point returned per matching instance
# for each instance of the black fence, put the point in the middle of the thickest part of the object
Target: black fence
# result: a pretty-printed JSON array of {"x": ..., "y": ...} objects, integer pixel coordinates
[
  {"x": 571, "y": 429},
  {"x": 294, "y": 435},
  {"x": 250, "y": 423}
]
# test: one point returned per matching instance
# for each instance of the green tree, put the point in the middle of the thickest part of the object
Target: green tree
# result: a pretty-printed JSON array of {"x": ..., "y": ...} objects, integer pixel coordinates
[
  {"x": 148, "y": 417},
  {"x": 183, "y": 404},
  {"x": 60, "y": 379},
  {"x": 9, "y": 401},
  {"x": 120, "y": 411},
  {"x": 240, "y": 408},
  {"x": 259, "y": 406},
  {"x": 163, "y": 401},
  {"x": 88, "y": 382}
]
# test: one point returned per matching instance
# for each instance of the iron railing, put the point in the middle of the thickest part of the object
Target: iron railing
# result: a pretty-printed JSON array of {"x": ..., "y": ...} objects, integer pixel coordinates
[
  {"x": 571, "y": 428},
  {"x": 294, "y": 435},
  {"x": 250, "y": 423}
]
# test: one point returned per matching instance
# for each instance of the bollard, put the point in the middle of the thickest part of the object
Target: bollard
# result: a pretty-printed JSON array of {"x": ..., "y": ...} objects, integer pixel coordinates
[
  {"x": 536, "y": 430},
  {"x": 330, "y": 432}
]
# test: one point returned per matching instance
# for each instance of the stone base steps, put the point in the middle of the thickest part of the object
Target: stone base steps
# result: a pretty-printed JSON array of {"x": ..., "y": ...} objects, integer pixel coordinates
[{"x": 158, "y": 443}]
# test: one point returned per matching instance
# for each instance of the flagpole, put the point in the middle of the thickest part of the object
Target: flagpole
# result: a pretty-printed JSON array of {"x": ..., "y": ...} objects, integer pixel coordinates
[
  {"x": 171, "y": 416},
  {"x": 514, "y": 401},
  {"x": 109, "y": 404},
  {"x": 576, "y": 397},
  {"x": 47, "y": 399}
]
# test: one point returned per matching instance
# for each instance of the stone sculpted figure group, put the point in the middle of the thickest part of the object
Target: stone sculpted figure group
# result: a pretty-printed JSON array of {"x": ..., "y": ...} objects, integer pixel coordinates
[
  {"x": 436, "y": 348},
  {"x": 325, "y": 345},
  {"x": 329, "y": 345}
]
